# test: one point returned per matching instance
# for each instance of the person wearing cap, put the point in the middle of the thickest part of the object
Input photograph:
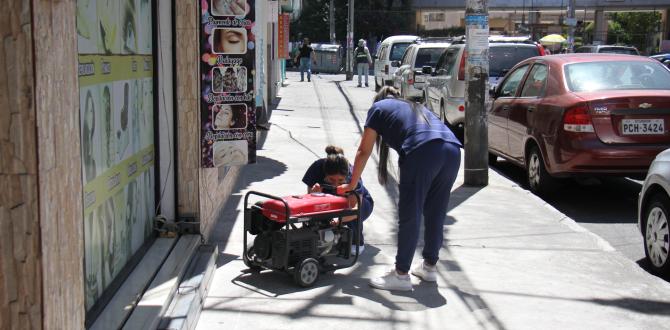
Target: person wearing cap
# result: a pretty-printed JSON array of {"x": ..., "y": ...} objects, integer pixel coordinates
[{"x": 363, "y": 61}]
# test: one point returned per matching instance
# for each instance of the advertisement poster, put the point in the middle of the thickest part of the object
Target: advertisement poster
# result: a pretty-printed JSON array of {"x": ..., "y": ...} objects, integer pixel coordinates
[
  {"x": 227, "y": 48},
  {"x": 115, "y": 68},
  {"x": 283, "y": 34}
]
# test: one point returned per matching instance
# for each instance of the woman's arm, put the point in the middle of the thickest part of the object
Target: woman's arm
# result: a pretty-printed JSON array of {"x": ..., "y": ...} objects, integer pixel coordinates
[{"x": 362, "y": 155}]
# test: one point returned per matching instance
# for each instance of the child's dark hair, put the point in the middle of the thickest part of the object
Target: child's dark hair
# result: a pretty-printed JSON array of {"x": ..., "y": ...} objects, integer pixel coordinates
[{"x": 335, "y": 162}]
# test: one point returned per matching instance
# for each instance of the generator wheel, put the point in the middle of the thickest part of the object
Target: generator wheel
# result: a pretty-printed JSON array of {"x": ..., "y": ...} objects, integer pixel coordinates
[
  {"x": 251, "y": 254},
  {"x": 307, "y": 272}
]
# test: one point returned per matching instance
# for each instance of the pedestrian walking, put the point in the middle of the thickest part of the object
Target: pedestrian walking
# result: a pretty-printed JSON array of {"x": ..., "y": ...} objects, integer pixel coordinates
[
  {"x": 363, "y": 61},
  {"x": 429, "y": 158},
  {"x": 335, "y": 170},
  {"x": 305, "y": 58}
]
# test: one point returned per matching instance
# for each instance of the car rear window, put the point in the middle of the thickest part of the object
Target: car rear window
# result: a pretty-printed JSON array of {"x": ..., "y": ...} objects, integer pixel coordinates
[
  {"x": 398, "y": 50},
  {"x": 616, "y": 75},
  {"x": 618, "y": 50},
  {"x": 428, "y": 57},
  {"x": 503, "y": 58}
]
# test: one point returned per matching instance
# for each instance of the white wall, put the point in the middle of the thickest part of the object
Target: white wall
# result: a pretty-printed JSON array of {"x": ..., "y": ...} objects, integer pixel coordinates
[{"x": 165, "y": 106}]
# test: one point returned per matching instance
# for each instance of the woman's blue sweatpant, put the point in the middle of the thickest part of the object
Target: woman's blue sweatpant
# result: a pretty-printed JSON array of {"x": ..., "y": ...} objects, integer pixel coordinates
[{"x": 426, "y": 177}]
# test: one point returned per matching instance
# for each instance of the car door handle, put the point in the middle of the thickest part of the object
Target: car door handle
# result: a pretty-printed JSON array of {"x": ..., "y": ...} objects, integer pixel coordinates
[
  {"x": 506, "y": 108},
  {"x": 531, "y": 108}
]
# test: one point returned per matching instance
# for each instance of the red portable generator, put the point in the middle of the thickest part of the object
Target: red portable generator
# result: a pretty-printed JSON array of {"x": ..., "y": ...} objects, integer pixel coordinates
[{"x": 294, "y": 234}]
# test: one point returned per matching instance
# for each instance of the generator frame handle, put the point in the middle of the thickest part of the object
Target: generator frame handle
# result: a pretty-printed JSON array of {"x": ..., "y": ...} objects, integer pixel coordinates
[
  {"x": 245, "y": 257},
  {"x": 359, "y": 231}
]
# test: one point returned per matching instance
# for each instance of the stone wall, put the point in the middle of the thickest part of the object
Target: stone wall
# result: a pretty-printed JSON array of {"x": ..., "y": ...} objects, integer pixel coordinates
[
  {"x": 200, "y": 191},
  {"x": 20, "y": 260},
  {"x": 59, "y": 167},
  {"x": 188, "y": 114}
]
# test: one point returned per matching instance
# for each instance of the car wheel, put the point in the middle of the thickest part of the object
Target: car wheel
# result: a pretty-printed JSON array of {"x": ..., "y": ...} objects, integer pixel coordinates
[
  {"x": 656, "y": 234},
  {"x": 539, "y": 180},
  {"x": 307, "y": 272}
]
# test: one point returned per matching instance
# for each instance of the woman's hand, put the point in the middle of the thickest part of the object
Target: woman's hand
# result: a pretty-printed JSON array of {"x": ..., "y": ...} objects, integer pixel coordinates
[
  {"x": 344, "y": 188},
  {"x": 315, "y": 188}
]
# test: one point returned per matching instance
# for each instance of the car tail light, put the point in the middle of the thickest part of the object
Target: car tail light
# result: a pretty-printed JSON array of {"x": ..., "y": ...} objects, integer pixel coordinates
[
  {"x": 386, "y": 69},
  {"x": 410, "y": 78},
  {"x": 541, "y": 50},
  {"x": 461, "y": 108},
  {"x": 461, "y": 67},
  {"x": 577, "y": 119}
]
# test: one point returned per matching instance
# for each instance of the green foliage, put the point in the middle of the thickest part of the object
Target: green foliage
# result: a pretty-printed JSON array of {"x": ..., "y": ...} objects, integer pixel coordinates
[
  {"x": 633, "y": 28},
  {"x": 372, "y": 18}
]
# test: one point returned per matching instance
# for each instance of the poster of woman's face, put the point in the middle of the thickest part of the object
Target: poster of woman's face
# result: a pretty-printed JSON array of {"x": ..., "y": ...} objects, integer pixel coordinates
[
  {"x": 229, "y": 79},
  {"x": 230, "y": 41},
  {"x": 90, "y": 133},
  {"x": 229, "y": 116},
  {"x": 230, "y": 153},
  {"x": 229, "y": 7}
]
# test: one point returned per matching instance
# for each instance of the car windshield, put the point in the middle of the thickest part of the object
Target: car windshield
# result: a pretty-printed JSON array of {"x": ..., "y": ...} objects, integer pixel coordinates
[
  {"x": 616, "y": 75},
  {"x": 398, "y": 50},
  {"x": 428, "y": 57},
  {"x": 503, "y": 58},
  {"x": 618, "y": 50}
]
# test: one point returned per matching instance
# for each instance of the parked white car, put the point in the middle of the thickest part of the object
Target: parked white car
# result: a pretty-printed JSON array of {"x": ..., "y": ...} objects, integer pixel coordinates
[
  {"x": 391, "y": 49},
  {"x": 654, "y": 214},
  {"x": 409, "y": 78},
  {"x": 445, "y": 90}
]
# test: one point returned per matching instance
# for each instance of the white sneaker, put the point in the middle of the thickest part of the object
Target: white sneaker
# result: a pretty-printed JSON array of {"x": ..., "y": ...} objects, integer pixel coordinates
[
  {"x": 425, "y": 272},
  {"x": 392, "y": 281},
  {"x": 360, "y": 249}
]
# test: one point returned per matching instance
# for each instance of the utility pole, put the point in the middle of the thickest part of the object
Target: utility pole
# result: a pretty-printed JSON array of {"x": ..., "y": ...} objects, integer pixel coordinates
[
  {"x": 572, "y": 22},
  {"x": 331, "y": 19},
  {"x": 350, "y": 41},
  {"x": 476, "y": 93}
]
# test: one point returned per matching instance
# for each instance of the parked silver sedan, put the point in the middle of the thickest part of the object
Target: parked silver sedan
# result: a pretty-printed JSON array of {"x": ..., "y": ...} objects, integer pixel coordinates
[{"x": 654, "y": 212}]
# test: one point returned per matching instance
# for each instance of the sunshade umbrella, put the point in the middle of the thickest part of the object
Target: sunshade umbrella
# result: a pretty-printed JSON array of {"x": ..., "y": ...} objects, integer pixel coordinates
[{"x": 552, "y": 39}]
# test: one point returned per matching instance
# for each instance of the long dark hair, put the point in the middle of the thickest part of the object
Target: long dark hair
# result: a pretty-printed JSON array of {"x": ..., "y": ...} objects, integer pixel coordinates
[
  {"x": 335, "y": 162},
  {"x": 382, "y": 147}
]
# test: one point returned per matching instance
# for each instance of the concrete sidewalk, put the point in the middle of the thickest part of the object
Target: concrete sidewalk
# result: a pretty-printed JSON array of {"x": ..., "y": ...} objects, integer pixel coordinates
[{"x": 509, "y": 261}]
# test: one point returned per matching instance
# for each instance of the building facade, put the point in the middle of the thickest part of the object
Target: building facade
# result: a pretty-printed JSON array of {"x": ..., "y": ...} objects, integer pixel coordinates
[{"x": 102, "y": 142}]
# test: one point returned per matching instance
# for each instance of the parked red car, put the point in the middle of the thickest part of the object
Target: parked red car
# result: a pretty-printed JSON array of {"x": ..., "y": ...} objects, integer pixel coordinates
[{"x": 581, "y": 114}]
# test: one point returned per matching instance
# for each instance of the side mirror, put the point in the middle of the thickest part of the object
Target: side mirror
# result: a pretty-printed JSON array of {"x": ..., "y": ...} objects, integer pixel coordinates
[
  {"x": 427, "y": 70},
  {"x": 395, "y": 64},
  {"x": 492, "y": 92},
  {"x": 374, "y": 56}
]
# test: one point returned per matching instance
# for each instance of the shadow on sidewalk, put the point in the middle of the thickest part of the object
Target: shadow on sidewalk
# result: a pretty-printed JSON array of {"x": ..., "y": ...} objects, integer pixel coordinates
[{"x": 264, "y": 169}]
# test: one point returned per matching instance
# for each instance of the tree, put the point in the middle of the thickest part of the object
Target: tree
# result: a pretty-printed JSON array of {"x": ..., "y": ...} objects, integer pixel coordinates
[
  {"x": 373, "y": 18},
  {"x": 634, "y": 28}
]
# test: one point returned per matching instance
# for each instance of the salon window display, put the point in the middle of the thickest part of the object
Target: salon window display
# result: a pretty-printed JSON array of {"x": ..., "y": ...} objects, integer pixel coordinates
[
  {"x": 230, "y": 40},
  {"x": 230, "y": 7},
  {"x": 229, "y": 116},
  {"x": 227, "y": 67},
  {"x": 229, "y": 80},
  {"x": 230, "y": 153}
]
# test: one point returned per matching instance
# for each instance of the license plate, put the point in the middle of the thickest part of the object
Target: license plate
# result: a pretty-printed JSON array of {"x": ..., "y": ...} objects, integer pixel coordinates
[{"x": 642, "y": 126}]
